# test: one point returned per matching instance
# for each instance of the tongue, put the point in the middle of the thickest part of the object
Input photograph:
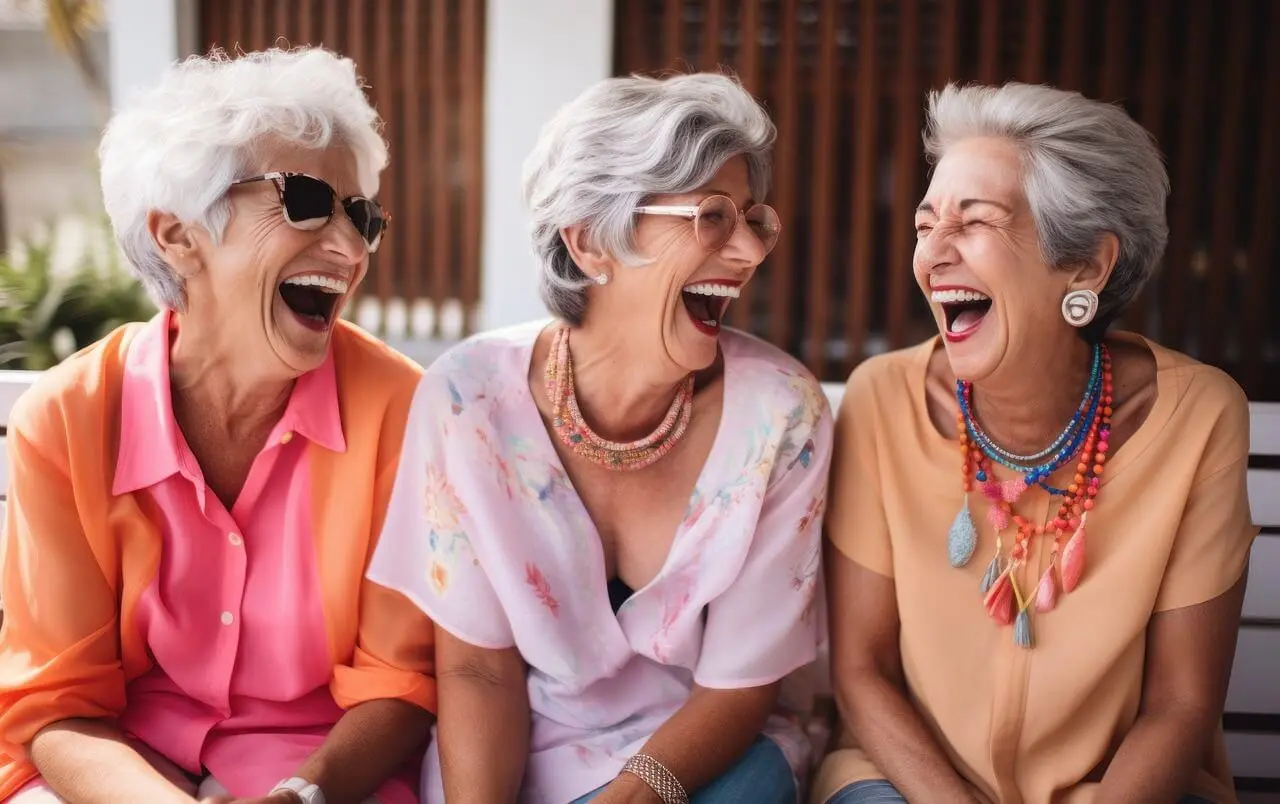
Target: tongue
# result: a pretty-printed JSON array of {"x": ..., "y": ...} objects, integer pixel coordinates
[
  {"x": 699, "y": 306},
  {"x": 967, "y": 319}
]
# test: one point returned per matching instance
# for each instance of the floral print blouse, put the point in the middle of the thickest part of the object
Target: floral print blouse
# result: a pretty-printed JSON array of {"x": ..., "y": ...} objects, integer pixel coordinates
[{"x": 487, "y": 535}]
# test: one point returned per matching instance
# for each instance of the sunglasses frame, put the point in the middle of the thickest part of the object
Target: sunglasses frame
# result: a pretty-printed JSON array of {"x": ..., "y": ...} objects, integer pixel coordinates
[
  {"x": 278, "y": 178},
  {"x": 691, "y": 212}
]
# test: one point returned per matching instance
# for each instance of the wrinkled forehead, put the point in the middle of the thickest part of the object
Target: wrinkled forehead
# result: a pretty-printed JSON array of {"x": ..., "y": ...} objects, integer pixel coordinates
[
  {"x": 335, "y": 164},
  {"x": 977, "y": 168}
]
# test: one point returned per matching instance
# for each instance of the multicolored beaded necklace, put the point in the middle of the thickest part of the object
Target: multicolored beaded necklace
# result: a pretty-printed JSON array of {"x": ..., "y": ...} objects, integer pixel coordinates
[
  {"x": 1085, "y": 440},
  {"x": 567, "y": 420}
]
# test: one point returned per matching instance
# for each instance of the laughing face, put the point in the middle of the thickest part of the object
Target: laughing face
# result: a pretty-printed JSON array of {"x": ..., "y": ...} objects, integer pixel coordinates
[
  {"x": 279, "y": 288},
  {"x": 978, "y": 261},
  {"x": 685, "y": 291}
]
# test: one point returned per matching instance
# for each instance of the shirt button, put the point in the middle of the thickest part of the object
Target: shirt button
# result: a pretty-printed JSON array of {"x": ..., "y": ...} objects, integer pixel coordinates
[
  {"x": 235, "y": 539},
  {"x": 286, "y": 438},
  {"x": 227, "y": 618}
]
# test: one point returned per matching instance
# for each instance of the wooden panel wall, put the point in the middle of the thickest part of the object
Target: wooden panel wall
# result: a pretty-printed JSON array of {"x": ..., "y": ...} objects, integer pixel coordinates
[
  {"x": 846, "y": 80},
  {"x": 424, "y": 63}
]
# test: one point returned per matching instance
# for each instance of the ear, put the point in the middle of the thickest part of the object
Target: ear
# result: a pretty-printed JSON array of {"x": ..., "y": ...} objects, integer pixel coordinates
[
  {"x": 176, "y": 241},
  {"x": 590, "y": 259},
  {"x": 1096, "y": 271}
]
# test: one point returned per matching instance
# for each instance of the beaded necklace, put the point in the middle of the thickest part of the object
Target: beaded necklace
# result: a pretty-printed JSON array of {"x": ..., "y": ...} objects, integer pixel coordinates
[
  {"x": 577, "y": 435},
  {"x": 1086, "y": 437}
]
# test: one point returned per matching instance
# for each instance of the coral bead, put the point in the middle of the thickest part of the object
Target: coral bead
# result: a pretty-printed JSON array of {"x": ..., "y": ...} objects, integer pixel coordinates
[{"x": 1088, "y": 505}]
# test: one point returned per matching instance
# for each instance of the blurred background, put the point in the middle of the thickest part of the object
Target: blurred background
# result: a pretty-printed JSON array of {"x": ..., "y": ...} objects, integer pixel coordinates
[{"x": 465, "y": 85}]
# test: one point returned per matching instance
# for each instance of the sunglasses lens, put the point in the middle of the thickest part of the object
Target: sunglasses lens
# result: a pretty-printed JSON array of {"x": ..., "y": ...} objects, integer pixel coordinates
[
  {"x": 308, "y": 202},
  {"x": 368, "y": 219},
  {"x": 764, "y": 222},
  {"x": 717, "y": 217}
]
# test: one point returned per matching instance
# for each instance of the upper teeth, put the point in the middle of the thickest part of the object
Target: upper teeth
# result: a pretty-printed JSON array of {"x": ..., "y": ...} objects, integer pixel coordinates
[
  {"x": 713, "y": 289},
  {"x": 947, "y": 296},
  {"x": 322, "y": 281}
]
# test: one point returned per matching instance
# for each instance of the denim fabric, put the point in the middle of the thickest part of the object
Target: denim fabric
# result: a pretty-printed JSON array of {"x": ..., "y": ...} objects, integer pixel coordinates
[{"x": 762, "y": 776}]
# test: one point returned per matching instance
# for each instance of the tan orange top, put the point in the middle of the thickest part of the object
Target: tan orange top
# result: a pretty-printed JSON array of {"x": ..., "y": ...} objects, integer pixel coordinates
[{"x": 1171, "y": 529}]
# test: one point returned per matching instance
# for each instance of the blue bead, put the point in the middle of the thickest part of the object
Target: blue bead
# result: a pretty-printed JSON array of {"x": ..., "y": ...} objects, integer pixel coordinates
[{"x": 982, "y": 476}]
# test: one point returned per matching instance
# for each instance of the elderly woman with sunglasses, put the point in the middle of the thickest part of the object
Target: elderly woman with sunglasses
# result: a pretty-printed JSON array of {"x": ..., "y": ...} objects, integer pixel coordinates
[
  {"x": 613, "y": 518},
  {"x": 194, "y": 499}
]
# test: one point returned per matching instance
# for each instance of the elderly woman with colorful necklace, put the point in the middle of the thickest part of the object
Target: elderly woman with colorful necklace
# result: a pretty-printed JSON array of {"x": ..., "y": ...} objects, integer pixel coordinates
[
  {"x": 1039, "y": 532},
  {"x": 615, "y": 517}
]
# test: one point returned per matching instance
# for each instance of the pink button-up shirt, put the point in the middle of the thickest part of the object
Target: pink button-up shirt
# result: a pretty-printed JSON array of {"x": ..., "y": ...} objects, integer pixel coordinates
[{"x": 240, "y": 686}]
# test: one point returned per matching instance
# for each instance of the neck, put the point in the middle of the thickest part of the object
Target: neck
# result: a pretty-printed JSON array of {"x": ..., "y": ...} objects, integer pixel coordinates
[
  {"x": 232, "y": 392},
  {"x": 1025, "y": 408},
  {"x": 622, "y": 391}
]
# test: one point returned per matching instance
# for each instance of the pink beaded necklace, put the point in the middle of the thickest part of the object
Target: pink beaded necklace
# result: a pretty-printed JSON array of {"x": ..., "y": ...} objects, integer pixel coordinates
[{"x": 567, "y": 420}]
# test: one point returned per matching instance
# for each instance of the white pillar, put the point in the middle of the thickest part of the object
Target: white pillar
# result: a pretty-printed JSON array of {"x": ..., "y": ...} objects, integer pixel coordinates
[
  {"x": 538, "y": 56},
  {"x": 144, "y": 38}
]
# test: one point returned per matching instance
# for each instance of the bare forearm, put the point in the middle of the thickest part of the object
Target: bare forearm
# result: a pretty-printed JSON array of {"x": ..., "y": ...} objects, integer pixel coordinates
[
  {"x": 366, "y": 746},
  {"x": 483, "y": 739},
  {"x": 705, "y": 737},
  {"x": 89, "y": 761},
  {"x": 890, "y": 730},
  {"x": 1157, "y": 759}
]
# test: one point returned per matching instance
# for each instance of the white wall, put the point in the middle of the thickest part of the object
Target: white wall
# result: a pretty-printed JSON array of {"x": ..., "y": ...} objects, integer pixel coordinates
[{"x": 539, "y": 55}]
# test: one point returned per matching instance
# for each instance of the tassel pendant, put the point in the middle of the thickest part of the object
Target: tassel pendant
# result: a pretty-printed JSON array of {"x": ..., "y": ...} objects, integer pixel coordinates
[
  {"x": 962, "y": 539},
  {"x": 991, "y": 575},
  {"x": 1046, "y": 591},
  {"x": 1022, "y": 630},
  {"x": 1073, "y": 560},
  {"x": 999, "y": 600}
]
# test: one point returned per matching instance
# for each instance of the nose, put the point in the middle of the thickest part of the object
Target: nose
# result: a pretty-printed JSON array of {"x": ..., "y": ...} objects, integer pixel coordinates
[
  {"x": 936, "y": 251},
  {"x": 743, "y": 247},
  {"x": 341, "y": 240}
]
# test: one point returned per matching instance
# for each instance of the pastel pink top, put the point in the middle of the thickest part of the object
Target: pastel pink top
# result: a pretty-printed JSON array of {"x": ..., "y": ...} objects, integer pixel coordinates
[
  {"x": 234, "y": 620},
  {"x": 486, "y": 533}
]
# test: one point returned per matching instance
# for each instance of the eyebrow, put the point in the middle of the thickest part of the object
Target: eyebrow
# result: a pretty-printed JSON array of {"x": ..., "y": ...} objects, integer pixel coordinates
[
  {"x": 925, "y": 206},
  {"x": 709, "y": 191}
]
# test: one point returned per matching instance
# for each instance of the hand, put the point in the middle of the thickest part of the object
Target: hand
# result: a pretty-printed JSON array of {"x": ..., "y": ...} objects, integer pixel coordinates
[
  {"x": 283, "y": 797},
  {"x": 627, "y": 789}
]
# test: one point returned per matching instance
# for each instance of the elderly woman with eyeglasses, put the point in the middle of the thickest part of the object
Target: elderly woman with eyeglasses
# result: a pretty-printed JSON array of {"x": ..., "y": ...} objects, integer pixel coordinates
[
  {"x": 613, "y": 518},
  {"x": 1039, "y": 528},
  {"x": 194, "y": 499}
]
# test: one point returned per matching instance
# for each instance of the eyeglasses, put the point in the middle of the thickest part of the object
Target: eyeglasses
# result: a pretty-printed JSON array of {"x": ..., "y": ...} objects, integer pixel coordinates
[
  {"x": 309, "y": 203},
  {"x": 716, "y": 217}
]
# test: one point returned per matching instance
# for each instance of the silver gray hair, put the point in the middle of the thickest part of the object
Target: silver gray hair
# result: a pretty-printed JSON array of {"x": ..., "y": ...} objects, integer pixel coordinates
[
  {"x": 620, "y": 141},
  {"x": 1088, "y": 169},
  {"x": 178, "y": 146}
]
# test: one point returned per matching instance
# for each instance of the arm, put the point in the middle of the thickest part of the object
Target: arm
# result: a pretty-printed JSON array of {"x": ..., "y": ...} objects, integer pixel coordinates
[
  {"x": 88, "y": 760},
  {"x": 1189, "y": 656},
  {"x": 700, "y": 741},
  {"x": 484, "y": 721},
  {"x": 866, "y": 673},
  {"x": 60, "y": 673}
]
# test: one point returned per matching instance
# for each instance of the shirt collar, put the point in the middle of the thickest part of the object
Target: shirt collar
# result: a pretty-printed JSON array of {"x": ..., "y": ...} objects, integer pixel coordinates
[{"x": 152, "y": 446}]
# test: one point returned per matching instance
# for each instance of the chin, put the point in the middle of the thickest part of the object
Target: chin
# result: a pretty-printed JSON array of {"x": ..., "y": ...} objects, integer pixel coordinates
[{"x": 976, "y": 357}]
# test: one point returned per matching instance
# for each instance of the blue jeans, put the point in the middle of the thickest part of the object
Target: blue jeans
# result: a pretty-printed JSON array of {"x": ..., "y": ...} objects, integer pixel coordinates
[
  {"x": 878, "y": 791},
  {"x": 762, "y": 776}
]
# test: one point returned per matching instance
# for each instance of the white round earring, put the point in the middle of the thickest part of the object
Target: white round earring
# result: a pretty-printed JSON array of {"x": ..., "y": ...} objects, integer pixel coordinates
[
  {"x": 602, "y": 279},
  {"x": 1079, "y": 307}
]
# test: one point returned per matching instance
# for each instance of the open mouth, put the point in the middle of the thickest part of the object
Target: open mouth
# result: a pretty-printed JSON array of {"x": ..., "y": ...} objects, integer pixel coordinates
[
  {"x": 706, "y": 303},
  {"x": 963, "y": 309},
  {"x": 313, "y": 298}
]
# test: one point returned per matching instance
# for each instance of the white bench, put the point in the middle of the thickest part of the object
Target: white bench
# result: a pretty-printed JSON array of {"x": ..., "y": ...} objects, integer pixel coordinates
[{"x": 1253, "y": 703}]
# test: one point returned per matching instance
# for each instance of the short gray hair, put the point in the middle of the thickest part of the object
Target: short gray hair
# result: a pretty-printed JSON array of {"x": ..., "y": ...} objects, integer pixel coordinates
[
  {"x": 625, "y": 139},
  {"x": 178, "y": 146},
  {"x": 1088, "y": 169}
]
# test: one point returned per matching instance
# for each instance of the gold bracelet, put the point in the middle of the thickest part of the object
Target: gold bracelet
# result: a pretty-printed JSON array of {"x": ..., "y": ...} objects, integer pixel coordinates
[{"x": 660, "y": 780}]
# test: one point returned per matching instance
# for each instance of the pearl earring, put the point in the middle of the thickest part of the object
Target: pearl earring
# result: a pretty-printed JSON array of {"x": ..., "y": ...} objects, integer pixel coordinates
[
  {"x": 1079, "y": 307},
  {"x": 602, "y": 279}
]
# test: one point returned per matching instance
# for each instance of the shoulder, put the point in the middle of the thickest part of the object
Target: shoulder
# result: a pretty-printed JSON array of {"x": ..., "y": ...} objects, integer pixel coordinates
[
  {"x": 72, "y": 399},
  {"x": 887, "y": 381},
  {"x": 478, "y": 372},
  {"x": 759, "y": 371},
  {"x": 363, "y": 358}
]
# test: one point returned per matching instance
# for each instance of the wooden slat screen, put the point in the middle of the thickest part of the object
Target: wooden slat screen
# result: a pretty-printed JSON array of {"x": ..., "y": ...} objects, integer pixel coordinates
[
  {"x": 424, "y": 63},
  {"x": 845, "y": 81}
]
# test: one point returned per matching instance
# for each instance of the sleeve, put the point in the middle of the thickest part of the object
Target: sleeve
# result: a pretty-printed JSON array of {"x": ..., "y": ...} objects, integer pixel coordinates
[
  {"x": 425, "y": 551},
  {"x": 59, "y": 654},
  {"x": 1215, "y": 534},
  {"x": 770, "y": 620},
  {"x": 856, "y": 523},
  {"x": 394, "y": 653}
]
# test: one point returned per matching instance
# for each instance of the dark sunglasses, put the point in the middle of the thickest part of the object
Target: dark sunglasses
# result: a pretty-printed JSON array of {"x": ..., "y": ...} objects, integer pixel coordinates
[{"x": 308, "y": 205}]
